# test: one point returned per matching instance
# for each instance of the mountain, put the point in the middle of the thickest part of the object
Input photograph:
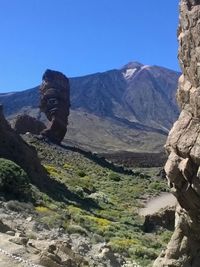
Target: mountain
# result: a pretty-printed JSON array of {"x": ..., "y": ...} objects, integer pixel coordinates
[
  {"x": 131, "y": 108},
  {"x": 134, "y": 94}
]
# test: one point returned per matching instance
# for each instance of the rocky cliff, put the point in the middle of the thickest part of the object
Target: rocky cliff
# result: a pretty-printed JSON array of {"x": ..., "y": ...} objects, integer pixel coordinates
[
  {"x": 183, "y": 146},
  {"x": 14, "y": 148}
]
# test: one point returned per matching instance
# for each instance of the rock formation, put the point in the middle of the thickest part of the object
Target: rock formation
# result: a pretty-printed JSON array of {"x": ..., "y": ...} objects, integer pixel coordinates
[
  {"x": 164, "y": 218},
  {"x": 183, "y": 146},
  {"x": 55, "y": 103},
  {"x": 14, "y": 148},
  {"x": 25, "y": 123}
]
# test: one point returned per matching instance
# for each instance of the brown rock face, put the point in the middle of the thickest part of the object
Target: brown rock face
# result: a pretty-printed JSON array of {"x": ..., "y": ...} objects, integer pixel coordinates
[
  {"x": 13, "y": 147},
  {"x": 183, "y": 146},
  {"x": 25, "y": 123},
  {"x": 164, "y": 218},
  {"x": 55, "y": 103}
]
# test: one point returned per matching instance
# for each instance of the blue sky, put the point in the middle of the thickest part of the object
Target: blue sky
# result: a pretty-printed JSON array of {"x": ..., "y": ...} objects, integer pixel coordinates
[{"x": 79, "y": 37}]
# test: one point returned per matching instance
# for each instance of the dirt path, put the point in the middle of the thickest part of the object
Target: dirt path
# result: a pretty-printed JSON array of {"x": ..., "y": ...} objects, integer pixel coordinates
[
  {"x": 157, "y": 203},
  {"x": 13, "y": 255}
]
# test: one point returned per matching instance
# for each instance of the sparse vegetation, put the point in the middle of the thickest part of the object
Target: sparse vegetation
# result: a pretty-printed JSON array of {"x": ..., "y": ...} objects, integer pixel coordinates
[
  {"x": 114, "y": 176},
  {"x": 76, "y": 229},
  {"x": 100, "y": 202},
  {"x": 52, "y": 171},
  {"x": 81, "y": 173},
  {"x": 13, "y": 180}
]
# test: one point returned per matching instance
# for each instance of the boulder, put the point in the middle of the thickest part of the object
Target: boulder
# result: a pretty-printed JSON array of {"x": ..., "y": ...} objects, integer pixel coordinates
[
  {"x": 25, "y": 123},
  {"x": 4, "y": 228},
  {"x": 164, "y": 218},
  {"x": 14, "y": 148}
]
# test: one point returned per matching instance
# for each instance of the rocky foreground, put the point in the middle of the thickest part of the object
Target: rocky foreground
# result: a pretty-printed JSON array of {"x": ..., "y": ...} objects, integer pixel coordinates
[{"x": 25, "y": 242}]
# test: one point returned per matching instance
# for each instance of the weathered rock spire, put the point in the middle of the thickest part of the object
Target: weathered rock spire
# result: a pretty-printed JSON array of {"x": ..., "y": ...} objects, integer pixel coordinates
[
  {"x": 183, "y": 146},
  {"x": 55, "y": 103}
]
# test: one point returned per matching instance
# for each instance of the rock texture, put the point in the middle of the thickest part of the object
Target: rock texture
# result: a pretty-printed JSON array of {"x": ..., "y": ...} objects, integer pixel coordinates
[
  {"x": 14, "y": 148},
  {"x": 55, "y": 103},
  {"x": 27, "y": 245},
  {"x": 164, "y": 218},
  {"x": 25, "y": 123},
  {"x": 183, "y": 146}
]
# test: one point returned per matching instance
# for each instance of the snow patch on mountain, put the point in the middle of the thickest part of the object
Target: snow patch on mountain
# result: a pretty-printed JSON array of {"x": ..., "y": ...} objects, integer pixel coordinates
[
  {"x": 145, "y": 67},
  {"x": 129, "y": 73}
]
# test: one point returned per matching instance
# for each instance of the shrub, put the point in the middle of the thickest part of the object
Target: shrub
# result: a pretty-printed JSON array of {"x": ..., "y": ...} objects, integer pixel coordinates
[
  {"x": 67, "y": 166},
  {"x": 42, "y": 209},
  {"x": 114, "y": 177},
  {"x": 76, "y": 229},
  {"x": 165, "y": 236},
  {"x": 120, "y": 245},
  {"x": 32, "y": 236},
  {"x": 51, "y": 219},
  {"x": 14, "y": 182},
  {"x": 17, "y": 206},
  {"x": 52, "y": 171},
  {"x": 81, "y": 173},
  {"x": 143, "y": 253},
  {"x": 158, "y": 186}
]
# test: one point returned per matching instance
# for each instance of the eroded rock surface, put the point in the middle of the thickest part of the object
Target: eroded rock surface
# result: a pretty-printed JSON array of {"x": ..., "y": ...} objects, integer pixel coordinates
[
  {"x": 164, "y": 218},
  {"x": 32, "y": 244},
  {"x": 25, "y": 123},
  {"x": 183, "y": 146},
  {"x": 55, "y": 103},
  {"x": 14, "y": 148}
]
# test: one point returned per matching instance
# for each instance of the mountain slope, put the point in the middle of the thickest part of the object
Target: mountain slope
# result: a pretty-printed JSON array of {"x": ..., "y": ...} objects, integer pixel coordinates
[
  {"x": 118, "y": 105},
  {"x": 137, "y": 93}
]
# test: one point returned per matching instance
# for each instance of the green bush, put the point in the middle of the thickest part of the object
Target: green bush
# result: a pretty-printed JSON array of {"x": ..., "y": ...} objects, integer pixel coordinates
[
  {"x": 143, "y": 253},
  {"x": 159, "y": 186},
  {"x": 165, "y": 236},
  {"x": 14, "y": 182},
  {"x": 76, "y": 229},
  {"x": 81, "y": 173},
  {"x": 114, "y": 177}
]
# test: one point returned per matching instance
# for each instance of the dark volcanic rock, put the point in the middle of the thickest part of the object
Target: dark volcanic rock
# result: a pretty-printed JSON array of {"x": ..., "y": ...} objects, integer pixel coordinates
[
  {"x": 4, "y": 228},
  {"x": 13, "y": 147},
  {"x": 165, "y": 218},
  {"x": 25, "y": 123},
  {"x": 55, "y": 103}
]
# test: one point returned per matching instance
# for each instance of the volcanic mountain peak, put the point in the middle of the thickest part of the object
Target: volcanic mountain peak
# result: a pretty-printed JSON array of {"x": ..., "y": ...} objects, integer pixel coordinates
[
  {"x": 132, "y": 65},
  {"x": 130, "y": 72}
]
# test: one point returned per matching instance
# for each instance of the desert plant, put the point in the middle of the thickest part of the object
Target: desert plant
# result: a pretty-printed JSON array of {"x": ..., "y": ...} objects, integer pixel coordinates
[
  {"x": 81, "y": 173},
  {"x": 114, "y": 177},
  {"x": 74, "y": 229},
  {"x": 14, "y": 182}
]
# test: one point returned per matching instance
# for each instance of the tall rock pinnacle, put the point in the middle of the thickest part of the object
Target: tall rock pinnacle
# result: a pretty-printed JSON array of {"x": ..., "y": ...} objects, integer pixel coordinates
[
  {"x": 183, "y": 146},
  {"x": 55, "y": 103}
]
